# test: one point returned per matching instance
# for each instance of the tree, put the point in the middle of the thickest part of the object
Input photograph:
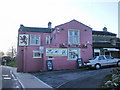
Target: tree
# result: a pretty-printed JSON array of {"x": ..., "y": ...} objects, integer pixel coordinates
[
  {"x": 11, "y": 52},
  {"x": 1, "y": 54}
]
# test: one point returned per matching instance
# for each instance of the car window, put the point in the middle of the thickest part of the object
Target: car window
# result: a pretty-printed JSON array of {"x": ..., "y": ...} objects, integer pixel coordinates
[
  {"x": 93, "y": 58},
  {"x": 108, "y": 57},
  {"x": 101, "y": 58}
]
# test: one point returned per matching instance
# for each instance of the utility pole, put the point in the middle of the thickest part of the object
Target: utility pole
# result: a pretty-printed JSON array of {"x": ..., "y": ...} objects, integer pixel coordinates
[{"x": 12, "y": 52}]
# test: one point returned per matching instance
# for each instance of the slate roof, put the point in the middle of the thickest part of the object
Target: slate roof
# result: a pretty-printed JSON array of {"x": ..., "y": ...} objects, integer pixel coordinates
[
  {"x": 35, "y": 29},
  {"x": 105, "y": 45},
  {"x": 94, "y": 32}
]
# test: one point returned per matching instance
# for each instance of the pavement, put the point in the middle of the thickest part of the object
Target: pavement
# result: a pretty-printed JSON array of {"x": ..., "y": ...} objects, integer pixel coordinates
[{"x": 27, "y": 80}]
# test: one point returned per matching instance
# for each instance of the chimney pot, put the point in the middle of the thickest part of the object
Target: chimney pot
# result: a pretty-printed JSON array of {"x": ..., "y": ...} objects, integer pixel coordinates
[
  {"x": 105, "y": 29},
  {"x": 49, "y": 25}
]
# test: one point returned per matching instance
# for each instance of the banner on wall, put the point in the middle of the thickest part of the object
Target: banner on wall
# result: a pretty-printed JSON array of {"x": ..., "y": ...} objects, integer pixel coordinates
[
  {"x": 56, "y": 52},
  {"x": 23, "y": 39}
]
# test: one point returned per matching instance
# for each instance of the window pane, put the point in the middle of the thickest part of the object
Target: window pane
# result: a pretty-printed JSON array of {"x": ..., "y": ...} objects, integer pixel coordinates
[
  {"x": 47, "y": 39},
  {"x": 32, "y": 37},
  {"x": 108, "y": 57},
  {"x": 101, "y": 58},
  {"x": 76, "y": 33},
  {"x": 71, "y": 40},
  {"x": 73, "y": 37},
  {"x": 35, "y": 40},
  {"x": 36, "y": 54},
  {"x": 70, "y": 33}
]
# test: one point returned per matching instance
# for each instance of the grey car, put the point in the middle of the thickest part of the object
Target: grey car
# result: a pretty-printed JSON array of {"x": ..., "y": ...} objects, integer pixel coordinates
[{"x": 103, "y": 60}]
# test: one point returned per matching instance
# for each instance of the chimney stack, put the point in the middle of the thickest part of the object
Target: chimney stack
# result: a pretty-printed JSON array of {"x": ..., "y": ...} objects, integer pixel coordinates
[
  {"x": 105, "y": 29},
  {"x": 49, "y": 25}
]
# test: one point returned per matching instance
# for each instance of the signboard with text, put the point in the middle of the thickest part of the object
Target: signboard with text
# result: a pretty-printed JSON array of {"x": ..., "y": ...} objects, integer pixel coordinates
[{"x": 56, "y": 52}]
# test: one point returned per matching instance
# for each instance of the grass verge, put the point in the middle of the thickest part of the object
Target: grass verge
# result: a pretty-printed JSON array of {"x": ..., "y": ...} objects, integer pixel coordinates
[{"x": 12, "y": 63}]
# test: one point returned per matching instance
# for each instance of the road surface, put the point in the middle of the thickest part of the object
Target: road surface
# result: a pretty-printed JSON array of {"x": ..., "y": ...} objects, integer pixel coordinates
[
  {"x": 75, "y": 78},
  {"x": 9, "y": 80}
]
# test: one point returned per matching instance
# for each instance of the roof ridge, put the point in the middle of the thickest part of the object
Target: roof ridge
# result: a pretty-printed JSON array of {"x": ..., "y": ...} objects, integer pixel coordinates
[{"x": 71, "y": 21}]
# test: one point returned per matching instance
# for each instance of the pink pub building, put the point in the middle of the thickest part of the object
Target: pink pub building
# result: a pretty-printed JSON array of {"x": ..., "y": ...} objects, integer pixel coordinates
[{"x": 53, "y": 48}]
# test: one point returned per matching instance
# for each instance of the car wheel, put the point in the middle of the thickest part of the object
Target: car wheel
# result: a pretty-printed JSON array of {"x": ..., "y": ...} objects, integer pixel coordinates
[
  {"x": 97, "y": 66},
  {"x": 118, "y": 64}
]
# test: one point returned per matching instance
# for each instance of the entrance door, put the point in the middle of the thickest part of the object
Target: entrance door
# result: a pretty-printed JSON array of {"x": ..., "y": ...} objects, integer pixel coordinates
[{"x": 107, "y": 53}]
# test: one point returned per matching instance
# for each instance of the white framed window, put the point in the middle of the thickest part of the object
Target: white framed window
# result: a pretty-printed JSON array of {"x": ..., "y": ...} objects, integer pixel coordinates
[
  {"x": 35, "y": 40},
  {"x": 47, "y": 39},
  {"x": 73, "y": 36},
  {"x": 37, "y": 54},
  {"x": 73, "y": 53}
]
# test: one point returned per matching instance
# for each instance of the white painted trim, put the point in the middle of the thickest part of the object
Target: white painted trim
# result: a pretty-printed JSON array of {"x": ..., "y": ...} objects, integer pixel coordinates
[
  {"x": 97, "y": 50},
  {"x": 112, "y": 49}
]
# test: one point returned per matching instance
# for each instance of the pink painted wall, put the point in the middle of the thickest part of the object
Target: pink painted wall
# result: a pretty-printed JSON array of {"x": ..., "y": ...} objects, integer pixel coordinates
[
  {"x": 27, "y": 63},
  {"x": 62, "y": 37}
]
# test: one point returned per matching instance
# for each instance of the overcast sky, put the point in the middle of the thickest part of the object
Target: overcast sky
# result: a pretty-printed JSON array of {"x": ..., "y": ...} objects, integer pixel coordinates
[{"x": 37, "y": 13}]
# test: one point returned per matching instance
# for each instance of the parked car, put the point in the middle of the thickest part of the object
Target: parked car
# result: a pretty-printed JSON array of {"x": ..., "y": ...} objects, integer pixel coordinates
[{"x": 103, "y": 60}]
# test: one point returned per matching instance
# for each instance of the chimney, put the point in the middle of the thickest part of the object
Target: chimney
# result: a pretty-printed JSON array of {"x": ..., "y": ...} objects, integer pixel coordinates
[
  {"x": 49, "y": 25},
  {"x": 105, "y": 29},
  {"x": 21, "y": 25}
]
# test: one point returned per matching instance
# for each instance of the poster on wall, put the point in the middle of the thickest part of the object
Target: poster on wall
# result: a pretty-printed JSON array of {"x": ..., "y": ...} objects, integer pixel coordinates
[
  {"x": 56, "y": 52},
  {"x": 23, "y": 39},
  {"x": 41, "y": 48}
]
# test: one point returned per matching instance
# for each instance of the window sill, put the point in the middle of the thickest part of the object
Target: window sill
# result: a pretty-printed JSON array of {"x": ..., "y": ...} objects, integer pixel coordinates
[
  {"x": 34, "y": 45},
  {"x": 37, "y": 57},
  {"x": 71, "y": 59}
]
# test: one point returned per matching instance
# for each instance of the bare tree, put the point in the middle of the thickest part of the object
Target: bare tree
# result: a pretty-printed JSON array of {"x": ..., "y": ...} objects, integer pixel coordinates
[{"x": 11, "y": 52}]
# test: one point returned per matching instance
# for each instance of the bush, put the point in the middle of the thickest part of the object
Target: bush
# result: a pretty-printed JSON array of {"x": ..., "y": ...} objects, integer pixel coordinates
[
  {"x": 12, "y": 63},
  {"x": 113, "y": 81}
]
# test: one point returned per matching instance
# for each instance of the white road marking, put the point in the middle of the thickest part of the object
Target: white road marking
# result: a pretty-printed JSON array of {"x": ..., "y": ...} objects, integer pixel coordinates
[
  {"x": 12, "y": 75},
  {"x": 42, "y": 82},
  {"x": 20, "y": 83},
  {"x": 7, "y": 78},
  {"x": 5, "y": 75},
  {"x": 17, "y": 86}
]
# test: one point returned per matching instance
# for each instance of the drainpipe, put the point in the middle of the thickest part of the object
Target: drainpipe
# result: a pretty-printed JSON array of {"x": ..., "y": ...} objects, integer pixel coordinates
[{"x": 25, "y": 59}]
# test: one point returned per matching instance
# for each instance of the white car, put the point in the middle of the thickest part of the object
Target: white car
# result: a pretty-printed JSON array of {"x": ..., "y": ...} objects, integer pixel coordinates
[{"x": 103, "y": 60}]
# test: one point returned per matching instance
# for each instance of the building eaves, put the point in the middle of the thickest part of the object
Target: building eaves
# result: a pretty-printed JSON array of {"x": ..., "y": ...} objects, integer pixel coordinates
[
  {"x": 105, "y": 45},
  {"x": 35, "y": 29},
  {"x": 94, "y": 32}
]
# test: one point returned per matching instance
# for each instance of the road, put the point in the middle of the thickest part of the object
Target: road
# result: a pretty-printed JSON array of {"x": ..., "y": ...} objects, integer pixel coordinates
[
  {"x": 89, "y": 79},
  {"x": 75, "y": 78},
  {"x": 9, "y": 80}
]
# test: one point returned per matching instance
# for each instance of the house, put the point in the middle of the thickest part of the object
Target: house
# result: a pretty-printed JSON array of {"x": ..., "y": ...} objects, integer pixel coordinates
[
  {"x": 53, "y": 48},
  {"x": 106, "y": 43}
]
